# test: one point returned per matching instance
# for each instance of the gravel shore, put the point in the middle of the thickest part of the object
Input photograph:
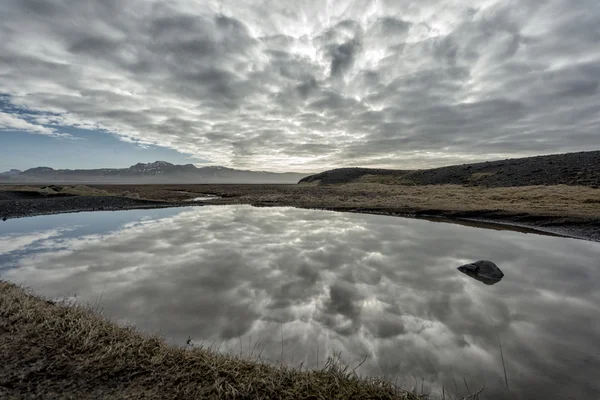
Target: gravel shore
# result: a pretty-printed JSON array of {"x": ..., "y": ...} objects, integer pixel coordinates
[{"x": 30, "y": 206}]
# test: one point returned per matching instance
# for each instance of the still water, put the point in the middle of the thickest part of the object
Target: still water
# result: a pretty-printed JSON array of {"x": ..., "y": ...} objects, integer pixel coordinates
[{"x": 245, "y": 279}]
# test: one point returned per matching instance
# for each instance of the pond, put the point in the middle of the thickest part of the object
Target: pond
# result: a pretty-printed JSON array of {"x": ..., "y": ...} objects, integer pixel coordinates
[{"x": 302, "y": 285}]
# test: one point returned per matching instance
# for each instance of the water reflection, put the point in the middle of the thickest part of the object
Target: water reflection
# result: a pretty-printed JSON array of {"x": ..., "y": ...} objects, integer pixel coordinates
[
  {"x": 326, "y": 282},
  {"x": 204, "y": 198}
]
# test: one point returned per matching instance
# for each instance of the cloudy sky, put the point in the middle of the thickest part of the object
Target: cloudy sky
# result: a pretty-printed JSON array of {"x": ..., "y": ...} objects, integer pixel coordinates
[{"x": 300, "y": 85}]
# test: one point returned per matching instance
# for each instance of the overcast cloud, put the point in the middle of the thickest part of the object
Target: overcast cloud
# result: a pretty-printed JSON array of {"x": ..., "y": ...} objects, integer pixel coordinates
[{"x": 308, "y": 85}]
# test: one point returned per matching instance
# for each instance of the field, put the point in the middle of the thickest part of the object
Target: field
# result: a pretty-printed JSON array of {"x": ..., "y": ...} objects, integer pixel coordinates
[
  {"x": 560, "y": 200},
  {"x": 563, "y": 209}
]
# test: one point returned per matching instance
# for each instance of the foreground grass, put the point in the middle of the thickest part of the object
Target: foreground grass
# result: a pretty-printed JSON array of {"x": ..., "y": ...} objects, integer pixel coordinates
[{"x": 59, "y": 351}]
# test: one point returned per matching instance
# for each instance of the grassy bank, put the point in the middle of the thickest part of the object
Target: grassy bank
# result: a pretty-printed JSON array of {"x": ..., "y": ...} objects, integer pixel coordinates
[
  {"x": 561, "y": 209},
  {"x": 52, "y": 350},
  {"x": 558, "y": 200}
]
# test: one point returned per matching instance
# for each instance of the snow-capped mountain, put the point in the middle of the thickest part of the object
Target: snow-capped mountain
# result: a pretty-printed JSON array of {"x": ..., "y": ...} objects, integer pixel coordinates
[
  {"x": 155, "y": 168},
  {"x": 156, "y": 172}
]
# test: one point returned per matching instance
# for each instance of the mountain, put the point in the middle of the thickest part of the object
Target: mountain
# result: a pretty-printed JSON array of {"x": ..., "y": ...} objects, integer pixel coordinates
[
  {"x": 12, "y": 172},
  {"x": 581, "y": 169},
  {"x": 156, "y": 172}
]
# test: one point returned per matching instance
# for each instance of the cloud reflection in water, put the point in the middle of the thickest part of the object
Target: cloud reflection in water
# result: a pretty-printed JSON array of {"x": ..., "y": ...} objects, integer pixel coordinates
[{"x": 369, "y": 285}]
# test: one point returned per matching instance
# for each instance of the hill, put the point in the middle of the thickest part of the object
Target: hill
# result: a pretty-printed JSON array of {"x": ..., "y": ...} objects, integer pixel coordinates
[
  {"x": 575, "y": 169},
  {"x": 156, "y": 172}
]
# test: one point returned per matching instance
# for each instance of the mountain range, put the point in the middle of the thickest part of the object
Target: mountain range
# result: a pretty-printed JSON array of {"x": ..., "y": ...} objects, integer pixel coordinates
[{"x": 156, "y": 172}]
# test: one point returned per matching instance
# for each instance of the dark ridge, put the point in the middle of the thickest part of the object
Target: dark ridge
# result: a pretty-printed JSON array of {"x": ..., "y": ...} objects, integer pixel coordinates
[
  {"x": 150, "y": 173},
  {"x": 575, "y": 169},
  {"x": 345, "y": 175}
]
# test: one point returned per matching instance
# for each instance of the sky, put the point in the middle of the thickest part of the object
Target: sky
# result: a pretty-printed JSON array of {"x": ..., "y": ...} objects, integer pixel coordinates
[{"x": 296, "y": 85}]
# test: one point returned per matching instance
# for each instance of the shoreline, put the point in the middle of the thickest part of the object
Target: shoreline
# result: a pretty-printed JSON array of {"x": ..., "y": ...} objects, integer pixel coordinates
[
  {"x": 55, "y": 350},
  {"x": 572, "y": 230},
  {"x": 92, "y": 208},
  {"x": 560, "y": 227},
  {"x": 33, "y": 201}
]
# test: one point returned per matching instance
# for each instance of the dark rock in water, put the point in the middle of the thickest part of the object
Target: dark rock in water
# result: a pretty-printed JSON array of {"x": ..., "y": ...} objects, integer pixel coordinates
[{"x": 484, "y": 271}]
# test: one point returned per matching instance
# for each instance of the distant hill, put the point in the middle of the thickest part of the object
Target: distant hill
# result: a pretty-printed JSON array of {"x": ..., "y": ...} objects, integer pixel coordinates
[
  {"x": 156, "y": 172},
  {"x": 561, "y": 169},
  {"x": 12, "y": 172}
]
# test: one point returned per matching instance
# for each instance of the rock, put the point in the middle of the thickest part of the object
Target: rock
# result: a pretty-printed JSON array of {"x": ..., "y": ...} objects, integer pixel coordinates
[
  {"x": 4, "y": 218},
  {"x": 484, "y": 271}
]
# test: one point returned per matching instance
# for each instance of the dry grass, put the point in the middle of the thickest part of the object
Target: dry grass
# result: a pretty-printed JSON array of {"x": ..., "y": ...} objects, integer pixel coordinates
[
  {"x": 82, "y": 190},
  {"x": 64, "y": 351},
  {"x": 559, "y": 200}
]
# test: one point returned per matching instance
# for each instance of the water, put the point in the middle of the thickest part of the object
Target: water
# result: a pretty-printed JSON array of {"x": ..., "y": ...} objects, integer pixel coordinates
[
  {"x": 244, "y": 279},
  {"x": 204, "y": 198}
]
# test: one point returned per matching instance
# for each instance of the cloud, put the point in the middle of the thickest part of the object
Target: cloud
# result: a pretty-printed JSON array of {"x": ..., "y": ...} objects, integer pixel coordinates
[
  {"x": 13, "y": 122},
  {"x": 323, "y": 281},
  {"x": 313, "y": 86},
  {"x": 10, "y": 243}
]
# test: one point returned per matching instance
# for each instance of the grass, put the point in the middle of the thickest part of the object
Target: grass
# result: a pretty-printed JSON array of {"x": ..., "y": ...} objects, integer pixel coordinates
[
  {"x": 557, "y": 200},
  {"x": 52, "y": 350}
]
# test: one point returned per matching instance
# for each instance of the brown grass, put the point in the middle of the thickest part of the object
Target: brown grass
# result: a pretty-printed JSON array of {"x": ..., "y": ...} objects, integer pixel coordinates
[
  {"x": 52, "y": 350},
  {"x": 559, "y": 200}
]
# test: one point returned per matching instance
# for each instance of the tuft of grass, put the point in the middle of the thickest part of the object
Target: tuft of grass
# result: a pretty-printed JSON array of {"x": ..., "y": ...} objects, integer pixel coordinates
[
  {"x": 50, "y": 350},
  {"x": 83, "y": 190}
]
